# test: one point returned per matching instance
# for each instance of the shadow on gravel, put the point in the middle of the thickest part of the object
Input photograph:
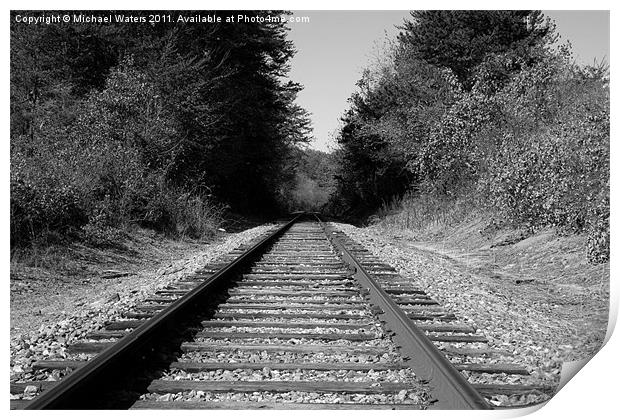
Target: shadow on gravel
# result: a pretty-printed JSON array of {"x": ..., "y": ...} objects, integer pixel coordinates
[{"x": 134, "y": 378}]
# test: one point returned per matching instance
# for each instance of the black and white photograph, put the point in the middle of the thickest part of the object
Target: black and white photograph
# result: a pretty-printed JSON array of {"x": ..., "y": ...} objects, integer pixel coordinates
[{"x": 244, "y": 209}]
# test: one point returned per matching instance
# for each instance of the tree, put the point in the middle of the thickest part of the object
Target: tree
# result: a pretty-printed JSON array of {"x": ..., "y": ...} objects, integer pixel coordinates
[
  {"x": 461, "y": 39},
  {"x": 170, "y": 115},
  {"x": 388, "y": 121}
]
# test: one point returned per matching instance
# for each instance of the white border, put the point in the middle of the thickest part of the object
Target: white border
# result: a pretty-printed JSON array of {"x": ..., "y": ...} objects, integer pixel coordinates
[{"x": 591, "y": 394}]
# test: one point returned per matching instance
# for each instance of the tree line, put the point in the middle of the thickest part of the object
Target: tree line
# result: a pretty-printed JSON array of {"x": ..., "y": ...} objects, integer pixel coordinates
[
  {"x": 168, "y": 125},
  {"x": 483, "y": 107},
  {"x": 162, "y": 125}
]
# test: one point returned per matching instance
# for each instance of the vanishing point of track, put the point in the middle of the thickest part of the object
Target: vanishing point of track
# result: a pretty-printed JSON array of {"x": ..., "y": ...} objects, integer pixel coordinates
[{"x": 303, "y": 317}]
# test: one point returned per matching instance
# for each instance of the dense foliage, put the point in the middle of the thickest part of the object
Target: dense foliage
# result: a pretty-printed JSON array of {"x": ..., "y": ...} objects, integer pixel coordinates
[
  {"x": 462, "y": 40},
  {"x": 491, "y": 111},
  {"x": 161, "y": 125}
]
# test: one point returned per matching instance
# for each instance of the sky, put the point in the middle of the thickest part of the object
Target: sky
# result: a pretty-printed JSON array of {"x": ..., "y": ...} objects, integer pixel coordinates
[{"x": 335, "y": 46}]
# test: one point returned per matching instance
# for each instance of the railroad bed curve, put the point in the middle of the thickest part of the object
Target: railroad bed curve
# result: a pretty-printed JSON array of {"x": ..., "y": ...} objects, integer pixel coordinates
[{"x": 311, "y": 321}]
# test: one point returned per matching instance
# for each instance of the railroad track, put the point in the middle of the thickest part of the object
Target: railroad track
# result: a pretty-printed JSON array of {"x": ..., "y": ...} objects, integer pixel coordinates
[{"x": 303, "y": 317}]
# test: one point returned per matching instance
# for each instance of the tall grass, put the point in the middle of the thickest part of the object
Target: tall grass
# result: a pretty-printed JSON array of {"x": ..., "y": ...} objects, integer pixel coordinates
[
  {"x": 196, "y": 217},
  {"x": 424, "y": 214}
]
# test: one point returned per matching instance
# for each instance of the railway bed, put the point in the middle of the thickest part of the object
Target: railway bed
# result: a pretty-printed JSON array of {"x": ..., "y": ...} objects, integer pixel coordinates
[{"x": 301, "y": 318}]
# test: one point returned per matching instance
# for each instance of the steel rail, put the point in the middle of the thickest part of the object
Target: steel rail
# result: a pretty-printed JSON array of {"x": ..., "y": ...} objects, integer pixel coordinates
[
  {"x": 450, "y": 387},
  {"x": 66, "y": 395}
]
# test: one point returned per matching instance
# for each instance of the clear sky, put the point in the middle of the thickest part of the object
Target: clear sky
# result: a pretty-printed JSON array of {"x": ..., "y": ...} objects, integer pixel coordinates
[{"x": 335, "y": 46}]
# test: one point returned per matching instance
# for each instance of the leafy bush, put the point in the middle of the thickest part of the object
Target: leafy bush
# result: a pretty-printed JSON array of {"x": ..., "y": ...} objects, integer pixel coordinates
[
  {"x": 104, "y": 171},
  {"x": 598, "y": 230},
  {"x": 38, "y": 207},
  {"x": 555, "y": 174}
]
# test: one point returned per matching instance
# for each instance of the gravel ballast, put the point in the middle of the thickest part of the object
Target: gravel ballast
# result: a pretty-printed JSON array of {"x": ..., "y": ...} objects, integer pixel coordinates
[
  {"x": 524, "y": 329},
  {"x": 104, "y": 302}
]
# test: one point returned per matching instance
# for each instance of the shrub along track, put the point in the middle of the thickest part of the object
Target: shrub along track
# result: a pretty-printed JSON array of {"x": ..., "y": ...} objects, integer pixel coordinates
[{"x": 301, "y": 318}]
